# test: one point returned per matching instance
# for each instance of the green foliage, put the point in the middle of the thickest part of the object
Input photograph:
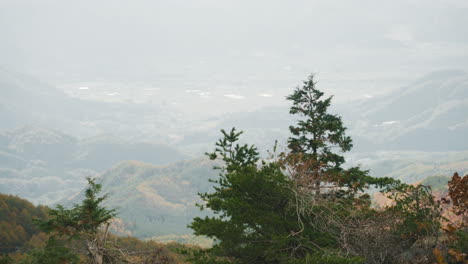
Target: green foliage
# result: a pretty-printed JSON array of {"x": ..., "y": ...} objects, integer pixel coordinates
[
  {"x": 234, "y": 155},
  {"x": 255, "y": 215},
  {"x": 276, "y": 211},
  {"x": 251, "y": 222},
  {"x": 461, "y": 242},
  {"x": 319, "y": 131},
  {"x": 132, "y": 183},
  {"x": 6, "y": 259},
  {"x": 53, "y": 253},
  {"x": 314, "y": 140},
  {"x": 418, "y": 210},
  {"x": 304, "y": 207},
  {"x": 330, "y": 259},
  {"x": 203, "y": 256},
  {"x": 81, "y": 220}
]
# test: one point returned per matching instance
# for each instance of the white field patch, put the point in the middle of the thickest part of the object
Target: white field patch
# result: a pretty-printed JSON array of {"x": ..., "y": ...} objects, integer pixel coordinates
[
  {"x": 234, "y": 96},
  {"x": 389, "y": 123},
  {"x": 200, "y": 93}
]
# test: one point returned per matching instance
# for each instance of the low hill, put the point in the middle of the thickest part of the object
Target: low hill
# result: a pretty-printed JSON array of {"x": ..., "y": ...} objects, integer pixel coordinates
[
  {"x": 20, "y": 239},
  {"x": 103, "y": 152},
  {"x": 156, "y": 200}
]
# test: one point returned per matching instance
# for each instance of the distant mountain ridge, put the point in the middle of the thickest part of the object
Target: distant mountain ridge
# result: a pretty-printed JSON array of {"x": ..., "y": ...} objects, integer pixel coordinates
[
  {"x": 430, "y": 114},
  {"x": 45, "y": 165},
  {"x": 26, "y": 100},
  {"x": 425, "y": 93}
]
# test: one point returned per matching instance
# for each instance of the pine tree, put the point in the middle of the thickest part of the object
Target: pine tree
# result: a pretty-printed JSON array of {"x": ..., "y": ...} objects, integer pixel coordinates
[
  {"x": 88, "y": 221},
  {"x": 251, "y": 222},
  {"x": 255, "y": 219},
  {"x": 268, "y": 212},
  {"x": 318, "y": 132},
  {"x": 316, "y": 135}
]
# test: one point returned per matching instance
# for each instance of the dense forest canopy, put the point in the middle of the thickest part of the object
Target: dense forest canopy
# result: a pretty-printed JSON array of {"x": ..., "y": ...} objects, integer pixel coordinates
[{"x": 16, "y": 222}]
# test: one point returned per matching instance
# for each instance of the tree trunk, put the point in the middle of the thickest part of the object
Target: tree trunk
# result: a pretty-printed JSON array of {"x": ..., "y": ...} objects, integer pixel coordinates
[
  {"x": 95, "y": 252},
  {"x": 96, "y": 247},
  {"x": 317, "y": 185}
]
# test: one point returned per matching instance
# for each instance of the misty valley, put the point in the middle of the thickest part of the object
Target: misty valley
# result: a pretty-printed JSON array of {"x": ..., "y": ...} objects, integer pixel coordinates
[
  {"x": 153, "y": 181},
  {"x": 233, "y": 132}
]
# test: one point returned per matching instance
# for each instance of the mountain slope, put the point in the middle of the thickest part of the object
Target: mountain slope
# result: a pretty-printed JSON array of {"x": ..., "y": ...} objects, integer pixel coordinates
[
  {"x": 45, "y": 165},
  {"x": 430, "y": 114},
  {"x": 411, "y": 166},
  {"x": 16, "y": 222},
  {"x": 26, "y": 100},
  {"x": 156, "y": 200}
]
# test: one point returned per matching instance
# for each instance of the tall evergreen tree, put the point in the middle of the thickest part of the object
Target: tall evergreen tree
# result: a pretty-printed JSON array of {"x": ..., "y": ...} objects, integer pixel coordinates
[
  {"x": 318, "y": 132},
  {"x": 256, "y": 219},
  {"x": 251, "y": 220},
  {"x": 267, "y": 212},
  {"x": 318, "y": 142}
]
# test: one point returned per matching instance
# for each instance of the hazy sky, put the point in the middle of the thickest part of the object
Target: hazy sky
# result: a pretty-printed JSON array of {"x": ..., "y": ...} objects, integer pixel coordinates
[{"x": 266, "y": 43}]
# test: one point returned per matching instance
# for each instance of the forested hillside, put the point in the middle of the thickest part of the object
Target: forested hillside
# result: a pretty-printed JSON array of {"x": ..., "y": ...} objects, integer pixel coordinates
[
  {"x": 22, "y": 241},
  {"x": 16, "y": 222}
]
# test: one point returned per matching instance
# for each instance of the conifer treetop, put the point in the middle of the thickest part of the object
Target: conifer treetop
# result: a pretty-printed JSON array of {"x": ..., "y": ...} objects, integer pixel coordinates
[{"x": 317, "y": 132}]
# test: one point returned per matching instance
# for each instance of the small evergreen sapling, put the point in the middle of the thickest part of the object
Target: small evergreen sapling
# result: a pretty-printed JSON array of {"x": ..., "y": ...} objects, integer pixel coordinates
[{"x": 88, "y": 220}]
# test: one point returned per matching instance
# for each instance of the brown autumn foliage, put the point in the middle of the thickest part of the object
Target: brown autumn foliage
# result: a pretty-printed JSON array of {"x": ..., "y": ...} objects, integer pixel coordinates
[
  {"x": 361, "y": 230},
  {"x": 454, "y": 247},
  {"x": 458, "y": 192},
  {"x": 16, "y": 222}
]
